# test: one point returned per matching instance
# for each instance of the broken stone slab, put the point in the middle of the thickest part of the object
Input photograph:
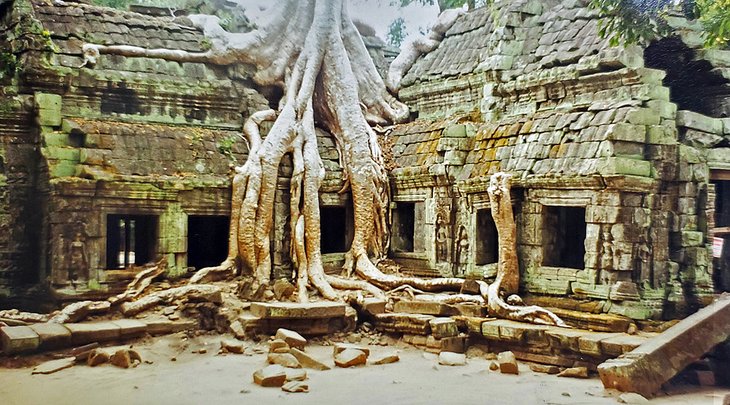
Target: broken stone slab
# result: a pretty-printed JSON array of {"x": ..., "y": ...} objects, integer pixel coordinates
[
  {"x": 507, "y": 363},
  {"x": 53, "y": 366},
  {"x": 553, "y": 360},
  {"x": 341, "y": 347},
  {"x": 386, "y": 359},
  {"x": 295, "y": 386},
  {"x": 691, "y": 119},
  {"x": 373, "y": 306},
  {"x": 19, "y": 339},
  {"x": 270, "y": 376},
  {"x": 129, "y": 328},
  {"x": 350, "y": 358},
  {"x": 283, "y": 359},
  {"x": 232, "y": 346},
  {"x": 278, "y": 346},
  {"x": 295, "y": 374},
  {"x": 424, "y": 308},
  {"x": 646, "y": 368},
  {"x": 164, "y": 326},
  {"x": 399, "y": 322},
  {"x": 574, "y": 372},
  {"x": 292, "y": 338},
  {"x": 443, "y": 328},
  {"x": 82, "y": 333},
  {"x": 283, "y": 289},
  {"x": 125, "y": 358},
  {"x": 293, "y": 310},
  {"x": 544, "y": 368},
  {"x": 52, "y": 335},
  {"x": 97, "y": 357},
  {"x": 632, "y": 398},
  {"x": 308, "y": 361},
  {"x": 452, "y": 359}
]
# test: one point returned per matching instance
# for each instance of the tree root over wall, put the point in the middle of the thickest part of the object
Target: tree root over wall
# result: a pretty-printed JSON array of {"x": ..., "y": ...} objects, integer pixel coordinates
[{"x": 312, "y": 50}]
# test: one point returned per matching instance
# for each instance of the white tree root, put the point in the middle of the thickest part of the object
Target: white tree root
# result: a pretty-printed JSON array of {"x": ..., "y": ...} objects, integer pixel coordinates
[
  {"x": 311, "y": 49},
  {"x": 202, "y": 291}
]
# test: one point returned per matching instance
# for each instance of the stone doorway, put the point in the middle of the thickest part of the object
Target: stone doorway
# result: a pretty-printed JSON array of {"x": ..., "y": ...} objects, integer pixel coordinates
[
  {"x": 207, "y": 240},
  {"x": 564, "y": 234},
  {"x": 487, "y": 247}
]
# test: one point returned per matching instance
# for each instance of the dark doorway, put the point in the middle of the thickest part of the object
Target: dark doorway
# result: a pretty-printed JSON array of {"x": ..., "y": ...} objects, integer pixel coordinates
[
  {"x": 487, "y": 247},
  {"x": 404, "y": 218},
  {"x": 721, "y": 232},
  {"x": 564, "y": 234},
  {"x": 334, "y": 221},
  {"x": 130, "y": 240},
  {"x": 207, "y": 240}
]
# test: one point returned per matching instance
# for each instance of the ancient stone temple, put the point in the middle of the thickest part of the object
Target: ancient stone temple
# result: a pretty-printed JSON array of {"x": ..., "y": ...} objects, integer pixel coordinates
[{"x": 620, "y": 157}]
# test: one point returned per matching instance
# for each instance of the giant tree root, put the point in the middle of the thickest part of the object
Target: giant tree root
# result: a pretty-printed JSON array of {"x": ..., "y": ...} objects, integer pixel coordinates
[
  {"x": 203, "y": 292},
  {"x": 140, "y": 283}
]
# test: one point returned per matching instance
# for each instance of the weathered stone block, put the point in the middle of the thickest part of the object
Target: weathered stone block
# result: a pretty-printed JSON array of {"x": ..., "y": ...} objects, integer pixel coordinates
[
  {"x": 647, "y": 367},
  {"x": 622, "y": 343},
  {"x": 443, "y": 327},
  {"x": 622, "y": 165},
  {"x": 130, "y": 327},
  {"x": 455, "y": 131},
  {"x": 424, "y": 307},
  {"x": 591, "y": 343},
  {"x": 691, "y": 238},
  {"x": 52, "y": 335},
  {"x": 691, "y": 119},
  {"x": 341, "y": 347},
  {"x": 18, "y": 339},
  {"x": 82, "y": 333},
  {"x": 288, "y": 310},
  {"x": 350, "y": 358},
  {"x": 626, "y": 132},
  {"x": 507, "y": 363}
]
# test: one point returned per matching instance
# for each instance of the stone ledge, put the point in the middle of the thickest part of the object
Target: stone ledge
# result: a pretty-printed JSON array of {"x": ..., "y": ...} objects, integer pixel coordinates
[{"x": 288, "y": 310}]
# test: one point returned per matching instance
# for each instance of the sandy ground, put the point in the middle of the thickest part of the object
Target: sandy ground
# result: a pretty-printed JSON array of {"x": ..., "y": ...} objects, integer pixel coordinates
[{"x": 226, "y": 379}]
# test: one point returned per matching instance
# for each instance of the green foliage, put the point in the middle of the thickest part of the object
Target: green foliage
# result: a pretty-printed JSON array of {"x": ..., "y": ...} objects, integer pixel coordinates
[
  {"x": 118, "y": 4},
  {"x": 225, "y": 147},
  {"x": 396, "y": 32},
  {"x": 8, "y": 64},
  {"x": 715, "y": 18},
  {"x": 641, "y": 21},
  {"x": 443, "y": 4}
]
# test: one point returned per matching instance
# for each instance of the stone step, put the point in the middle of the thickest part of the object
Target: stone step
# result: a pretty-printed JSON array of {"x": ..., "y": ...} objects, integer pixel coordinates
[
  {"x": 399, "y": 322},
  {"x": 644, "y": 369},
  {"x": 595, "y": 322},
  {"x": 293, "y": 310}
]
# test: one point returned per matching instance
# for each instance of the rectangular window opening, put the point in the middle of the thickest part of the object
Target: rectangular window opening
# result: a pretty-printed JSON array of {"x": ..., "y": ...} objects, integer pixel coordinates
[
  {"x": 131, "y": 240},
  {"x": 207, "y": 240},
  {"x": 404, "y": 218},
  {"x": 487, "y": 246},
  {"x": 564, "y": 234},
  {"x": 336, "y": 229}
]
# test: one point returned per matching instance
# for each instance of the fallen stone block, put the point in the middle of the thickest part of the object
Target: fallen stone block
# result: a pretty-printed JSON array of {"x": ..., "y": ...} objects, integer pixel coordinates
[
  {"x": 295, "y": 374},
  {"x": 164, "y": 326},
  {"x": 52, "y": 335},
  {"x": 456, "y": 344},
  {"x": 19, "y": 339},
  {"x": 284, "y": 360},
  {"x": 82, "y": 333},
  {"x": 387, "y": 359},
  {"x": 560, "y": 361},
  {"x": 278, "y": 346},
  {"x": 544, "y": 368},
  {"x": 620, "y": 344},
  {"x": 646, "y": 368},
  {"x": 97, "y": 357},
  {"x": 494, "y": 366},
  {"x": 308, "y": 361},
  {"x": 232, "y": 346},
  {"x": 121, "y": 358},
  {"x": 341, "y": 347},
  {"x": 53, "y": 366},
  {"x": 416, "y": 324},
  {"x": 291, "y": 310},
  {"x": 507, "y": 363},
  {"x": 270, "y": 376},
  {"x": 632, "y": 398},
  {"x": 452, "y": 359},
  {"x": 82, "y": 353},
  {"x": 283, "y": 289},
  {"x": 295, "y": 386},
  {"x": 424, "y": 308},
  {"x": 350, "y": 358},
  {"x": 373, "y": 306},
  {"x": 293, "y": 339},
  {"x": 443, "y": 328},
  {"x": 574, "y": 372}
]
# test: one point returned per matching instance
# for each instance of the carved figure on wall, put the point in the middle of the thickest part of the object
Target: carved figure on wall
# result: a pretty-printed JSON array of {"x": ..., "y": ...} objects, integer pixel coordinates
[
  {"x": 78, "y": 267},
  {"x": 442, "y": 240},
  {"x": 462, "y": 251}
]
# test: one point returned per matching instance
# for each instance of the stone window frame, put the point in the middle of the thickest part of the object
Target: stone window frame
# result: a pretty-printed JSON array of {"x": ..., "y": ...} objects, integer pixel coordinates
[
  {"x": 104, "y": 214},
  {"x": 336, "y": 260},
  {"x": 426, "y": 253},
  {"x": 568, "y": 202}
]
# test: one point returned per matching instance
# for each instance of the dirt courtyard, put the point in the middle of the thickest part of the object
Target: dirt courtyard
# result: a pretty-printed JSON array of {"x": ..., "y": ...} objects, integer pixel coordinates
[{"x": 210, "y": 378}]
